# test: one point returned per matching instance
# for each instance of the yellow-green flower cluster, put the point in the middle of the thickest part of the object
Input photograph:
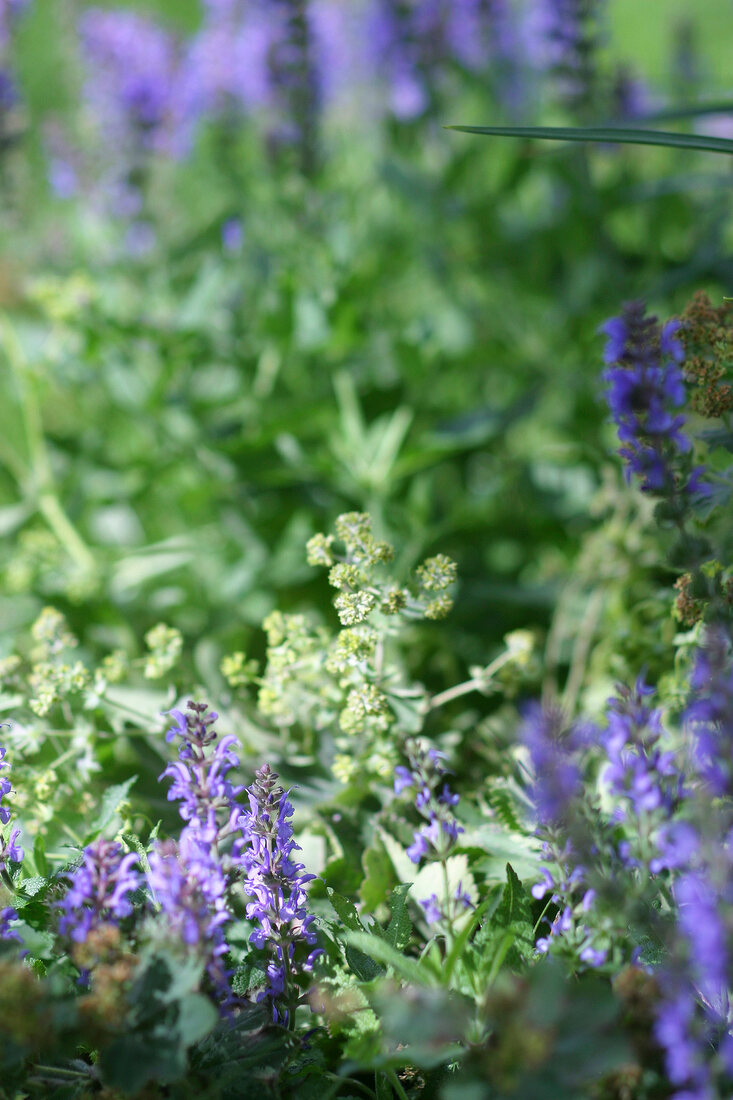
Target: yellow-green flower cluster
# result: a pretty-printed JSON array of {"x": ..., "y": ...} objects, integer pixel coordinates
[
  {"x": 53, "y": 677},
  {"x": 237, "y": 670},
  {"x": 166, "y": 645}
]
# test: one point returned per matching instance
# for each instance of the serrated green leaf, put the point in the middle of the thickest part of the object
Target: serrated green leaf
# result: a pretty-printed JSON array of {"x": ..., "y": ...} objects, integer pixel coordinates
[
  {"x": 365, "y": 968},
  {"x": 111, "y": 802},
  {"x": 137, "y": 845},
  {"x": 399, "y": 929},
  {"x": 509, "y": 933},
  {"x": 618, "y": 135},
  {"x": 345, "y": 910},
  {"x": 514, "y": 907}
]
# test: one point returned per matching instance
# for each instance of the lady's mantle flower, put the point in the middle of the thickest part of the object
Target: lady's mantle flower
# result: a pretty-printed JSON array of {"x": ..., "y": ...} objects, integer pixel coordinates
[
  {"x": 100, "y": 890},
  {"x": 645, "y": 387},
  {"x": 275, "y": 884}
]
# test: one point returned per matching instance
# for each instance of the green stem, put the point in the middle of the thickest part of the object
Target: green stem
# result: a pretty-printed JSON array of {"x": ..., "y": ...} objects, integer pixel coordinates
[
  {"x": 475, "y": 684},
  {"x": 547, "y": 906},
  {"x": 396, "y": 1084},
  {"x": 47, "y": 501},
  {"x": 60, "y": 1071},
  {"x": 8, "y": 881},
  {"x": 352, "y": 1083}
]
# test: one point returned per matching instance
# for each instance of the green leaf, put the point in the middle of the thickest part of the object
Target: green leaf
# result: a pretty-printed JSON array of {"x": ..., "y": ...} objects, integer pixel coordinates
[
  {"x": 399, "y": 929},
  {"x": 515, "y": 906},
  {"x": 486, "y": 910},
  {"x": 197, "y": 1016},
  {"x": 345, "y": 910},
  {"x": 719, "y": 107},
  {"x": 365, "y": 968},
  {"x": 383, "y": 952},
  {"x": 379, "y": 876},
  {"x": 113, "y": 798},
  {"x": 137, "y": 845},
  {"x": 617, "y": 135},
  {"x": 510, "y": 932},
  {"x": 39, "y": 856}
]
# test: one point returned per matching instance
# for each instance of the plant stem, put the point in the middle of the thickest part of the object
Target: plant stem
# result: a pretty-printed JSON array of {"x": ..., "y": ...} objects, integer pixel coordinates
[{"x": 396, "y": 1084}]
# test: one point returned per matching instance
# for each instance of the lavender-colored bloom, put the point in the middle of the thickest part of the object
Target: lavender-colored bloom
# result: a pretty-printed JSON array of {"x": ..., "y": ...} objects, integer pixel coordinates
[
  {"x": 225, "y": 73},
  {"x": 434, "y": 802},
  {"x": 9, "y": 12},
  {"x": 99, "y": 890},
  {"x": 673, "y": 1032},
  {"x": 232, "y": 234},
  {"x": 275, "y": 885},
  {"x": 677, "y": 844},
  {"x": 10, "y": 850},
  {"x": 132, "y": 79},
  {"x": 645, "y": 387},
  {"x": 188, "y": 883},
  {"x": 630, "y": 95},
  {"x": 638, "y": 770},
  {"x": 440, "y": 912},
  {"x": 709, "y": 712},
  {"x": 700, "y": 922},
  {"x": 551, "y": 750},
  {"x": 200, "y": 776},
  {"x": 7, "y": 915},
  {"x": 561, "y": 38}
]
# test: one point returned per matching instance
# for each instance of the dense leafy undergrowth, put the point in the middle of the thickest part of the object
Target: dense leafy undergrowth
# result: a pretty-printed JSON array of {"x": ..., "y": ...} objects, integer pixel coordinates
[{"x": 365, "y": 623}]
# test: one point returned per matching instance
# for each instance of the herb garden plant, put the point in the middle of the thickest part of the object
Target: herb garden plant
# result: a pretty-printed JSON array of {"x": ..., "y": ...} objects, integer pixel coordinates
[{"x": 366, "y": 666}]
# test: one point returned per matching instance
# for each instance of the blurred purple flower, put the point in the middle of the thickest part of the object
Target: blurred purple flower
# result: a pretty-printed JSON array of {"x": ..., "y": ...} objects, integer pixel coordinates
[
  {"x": 552, "y": 749},
  {"x": 561, "y": 37},
  {"x": 187, "y": 881},
  {"x": 709, "y": 712},
  {"x": 645, "y": 387},
  {"x": 10, "y": 850},
  {"x": 232, "y": 235},
  {"x": 99, "y": 890},
  {"x": 638, "y": 770},
  {"x": 132, "y": 80},
  {"x": 9, "y": 12}
]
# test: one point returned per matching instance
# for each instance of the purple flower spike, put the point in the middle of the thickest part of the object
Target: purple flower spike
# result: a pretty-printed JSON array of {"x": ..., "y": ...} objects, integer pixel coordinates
[
  {"x": 10, "y": 850},
  {"x": 639, "y": 772},
  {"x": 99, "y": 890},
  {"x": 557, "y": 777},
  {"x": 190, "y": 887},
  {"x": 275, "y": 883},
  {"x": 645, "y": 387},
  {"x": 200, "y": 783},
  {"x": 438, "y": 835}
]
